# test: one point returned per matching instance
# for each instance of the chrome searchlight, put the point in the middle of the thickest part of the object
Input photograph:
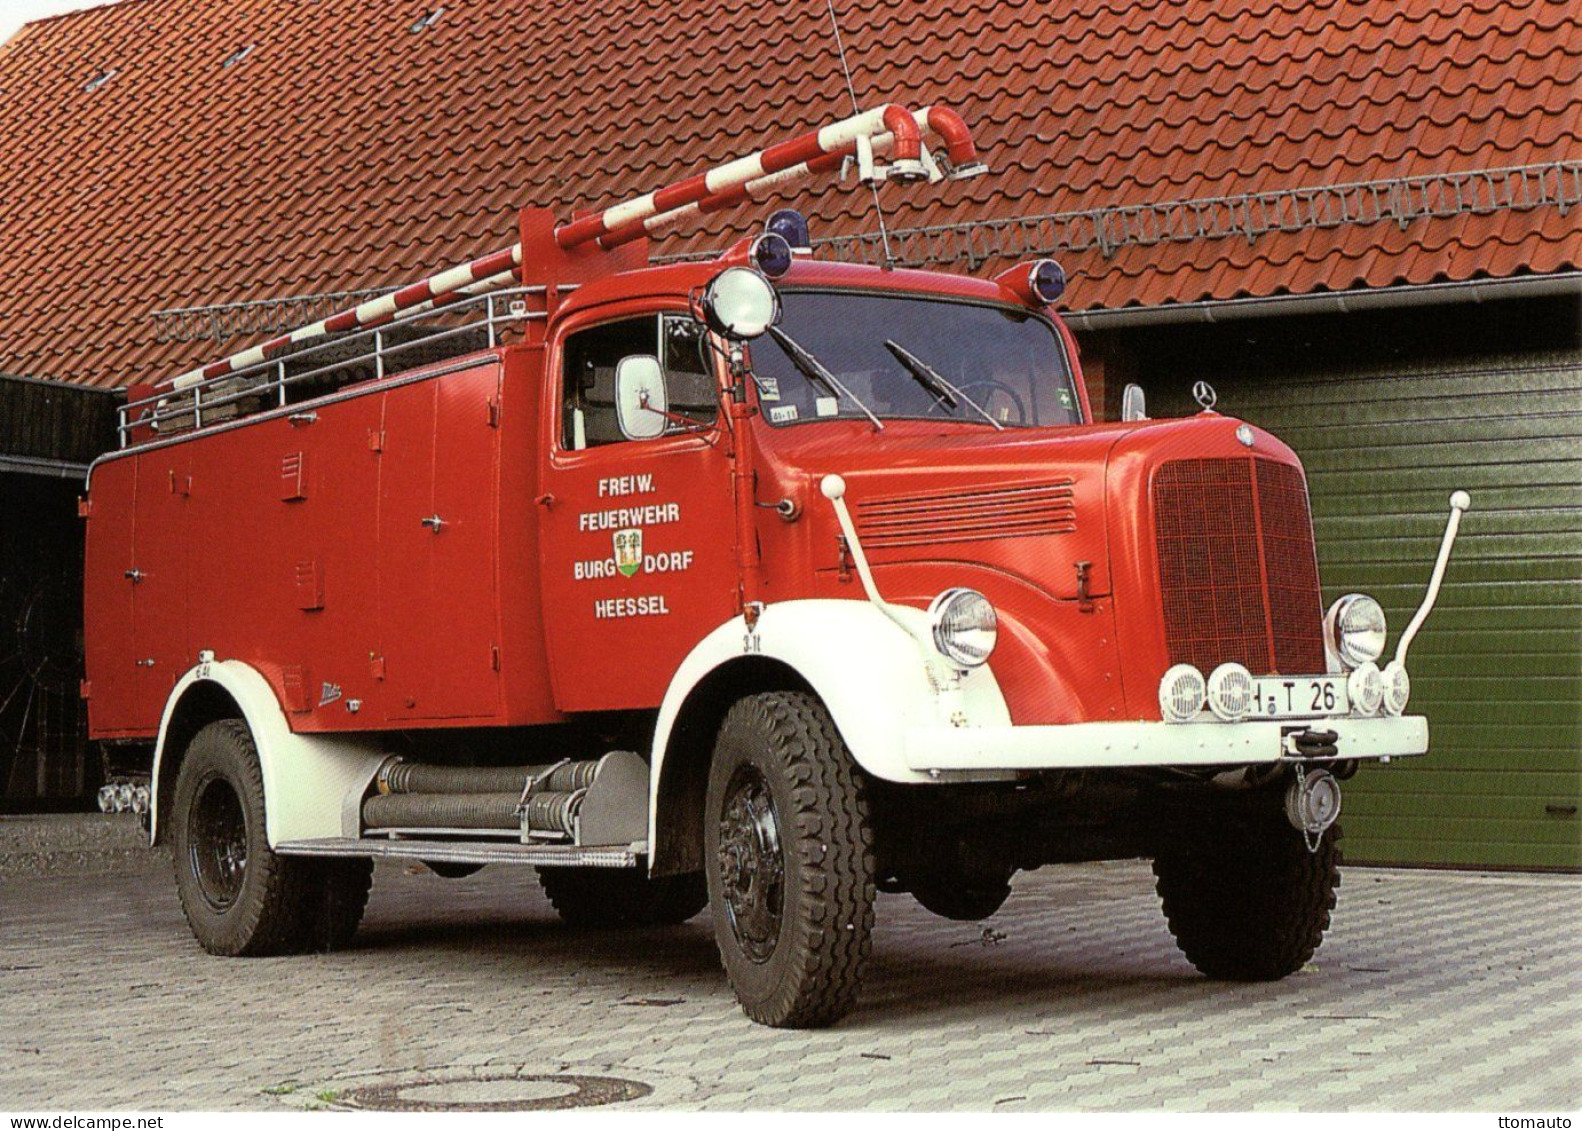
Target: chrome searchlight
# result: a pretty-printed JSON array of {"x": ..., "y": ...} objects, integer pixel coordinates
[
  {"x": 741, "y": 304},
  {"x": 1181, "y": 693}
]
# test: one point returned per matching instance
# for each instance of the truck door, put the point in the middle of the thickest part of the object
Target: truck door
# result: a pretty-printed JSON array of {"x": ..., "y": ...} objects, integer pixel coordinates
[
  {"x": 438, "y": 607},
  {"x": 638, "y": 536},
  {"x": 163, "y": 550}
]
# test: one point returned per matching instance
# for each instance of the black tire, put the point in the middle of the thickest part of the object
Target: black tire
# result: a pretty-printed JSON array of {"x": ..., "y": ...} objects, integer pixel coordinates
[
  {"x": 239, "y": 897},
  {"x": 619, "y": 897},
  {"x": 951, "y": 897},
  {"x": 1252, "y": 906},
  {"x": 790, "y": 864}
]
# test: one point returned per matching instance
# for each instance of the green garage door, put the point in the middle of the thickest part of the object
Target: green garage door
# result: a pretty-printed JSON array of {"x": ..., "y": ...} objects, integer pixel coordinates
[{"x": 1496, "y": 669}]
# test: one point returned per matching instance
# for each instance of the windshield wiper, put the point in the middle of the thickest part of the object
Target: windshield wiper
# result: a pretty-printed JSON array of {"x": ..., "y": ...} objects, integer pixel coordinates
[
  {"x": 814, "y": 370},
  {"x": 929, "y": 377}
]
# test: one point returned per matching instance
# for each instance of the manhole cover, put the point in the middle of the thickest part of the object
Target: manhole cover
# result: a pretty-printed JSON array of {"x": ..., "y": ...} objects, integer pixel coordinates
[{"x": 508, "y": 1092}]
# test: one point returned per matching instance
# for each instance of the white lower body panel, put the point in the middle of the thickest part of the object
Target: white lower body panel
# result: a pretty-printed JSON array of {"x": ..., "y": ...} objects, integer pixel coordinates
[{"x": 1081, "y": 746}]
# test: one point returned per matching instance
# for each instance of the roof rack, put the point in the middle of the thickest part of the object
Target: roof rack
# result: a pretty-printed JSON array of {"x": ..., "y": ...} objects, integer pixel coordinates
[
  {"x": 269, "y": 384},
  {"x": 550, "y": 258}
]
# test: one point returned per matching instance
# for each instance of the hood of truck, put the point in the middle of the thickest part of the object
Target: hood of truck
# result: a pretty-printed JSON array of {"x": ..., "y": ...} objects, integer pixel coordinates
[
  {"x": 1026, "y": 504},
  {"x": 1055, "y": 527}
]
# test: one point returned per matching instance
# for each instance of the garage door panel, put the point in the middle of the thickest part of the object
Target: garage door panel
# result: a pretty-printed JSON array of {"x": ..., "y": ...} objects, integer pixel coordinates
[
  {"x": 1413, "y": 482},
  {"x": 1513, "y": 451},
  {"x": 1408, "y": 388},
  {"x": 1466, "y": 415}
]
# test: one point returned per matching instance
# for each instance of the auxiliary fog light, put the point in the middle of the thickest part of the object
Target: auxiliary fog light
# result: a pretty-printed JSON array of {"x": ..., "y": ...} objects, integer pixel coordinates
[
  {"x": 964, "y": 625},
  {"x": 1181, "y": 693},
  {"x": 1366, "y": 689},
  {"x": 1230, "y": 692},
  {"x": 1397, "y": 687},
  {"x": 1355, "y": 628}
]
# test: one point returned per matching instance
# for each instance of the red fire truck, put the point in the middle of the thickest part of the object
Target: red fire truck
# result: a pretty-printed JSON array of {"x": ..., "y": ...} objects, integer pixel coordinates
[{"x": 759, "y": 583}]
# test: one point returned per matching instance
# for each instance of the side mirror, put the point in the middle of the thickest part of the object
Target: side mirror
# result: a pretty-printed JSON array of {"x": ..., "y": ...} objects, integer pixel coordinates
[
  {"x": 1134, "y": 405},
  {"x": 642, "y": 407}
]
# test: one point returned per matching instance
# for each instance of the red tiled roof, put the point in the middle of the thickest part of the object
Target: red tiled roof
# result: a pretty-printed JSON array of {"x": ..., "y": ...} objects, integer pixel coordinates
[{"x": 348, "y": 151}]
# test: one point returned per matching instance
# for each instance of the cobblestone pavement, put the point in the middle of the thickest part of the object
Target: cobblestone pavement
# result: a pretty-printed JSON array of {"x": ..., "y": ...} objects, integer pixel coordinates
[{"x": 1434, "y": 991}]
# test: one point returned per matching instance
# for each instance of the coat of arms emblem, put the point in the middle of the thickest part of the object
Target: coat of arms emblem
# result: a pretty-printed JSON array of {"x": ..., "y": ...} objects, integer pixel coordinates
[{"x": 629, "y": 551}]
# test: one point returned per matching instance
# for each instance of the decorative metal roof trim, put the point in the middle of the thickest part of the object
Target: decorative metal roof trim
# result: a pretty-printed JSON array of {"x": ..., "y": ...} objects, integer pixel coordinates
[{"x": 1516, "y": 188}]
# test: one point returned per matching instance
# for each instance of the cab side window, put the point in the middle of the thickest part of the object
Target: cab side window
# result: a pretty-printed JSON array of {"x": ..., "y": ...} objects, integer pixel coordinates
[{"x": 591, "y": 359}]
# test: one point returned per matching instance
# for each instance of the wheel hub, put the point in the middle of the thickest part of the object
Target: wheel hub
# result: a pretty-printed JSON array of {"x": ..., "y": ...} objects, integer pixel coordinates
[
  {"x": 218, "y": 849},
  {"x": 751, "y": 865}
]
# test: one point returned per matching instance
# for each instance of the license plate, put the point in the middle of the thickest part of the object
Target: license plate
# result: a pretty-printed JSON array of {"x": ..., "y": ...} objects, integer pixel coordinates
[{"x": 1299, "y": 696}]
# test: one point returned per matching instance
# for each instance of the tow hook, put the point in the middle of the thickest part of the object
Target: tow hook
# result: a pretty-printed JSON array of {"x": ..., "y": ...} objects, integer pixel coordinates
[{"x": 1312, "y": 803}]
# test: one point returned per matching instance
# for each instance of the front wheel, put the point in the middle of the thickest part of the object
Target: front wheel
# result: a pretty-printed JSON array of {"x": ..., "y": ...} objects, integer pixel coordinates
[
  {"x": 790, "y": 861},
  {"x": 1251, "y": 903}
]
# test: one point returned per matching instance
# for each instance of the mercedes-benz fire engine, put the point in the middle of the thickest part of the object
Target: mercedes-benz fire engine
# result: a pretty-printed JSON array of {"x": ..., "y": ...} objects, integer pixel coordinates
[{"x": 760, "y": 583}]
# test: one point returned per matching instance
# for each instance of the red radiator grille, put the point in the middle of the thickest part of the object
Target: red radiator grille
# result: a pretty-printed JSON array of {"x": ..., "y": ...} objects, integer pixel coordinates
[
  {"x": 968, "y": 515},
  {"x": 1295, "y": 603},
  {"x": 1238, "y": 578}
]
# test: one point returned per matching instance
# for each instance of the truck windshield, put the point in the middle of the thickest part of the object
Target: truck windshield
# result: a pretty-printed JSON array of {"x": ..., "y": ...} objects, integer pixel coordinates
[{"x": 1009, "y": 365}]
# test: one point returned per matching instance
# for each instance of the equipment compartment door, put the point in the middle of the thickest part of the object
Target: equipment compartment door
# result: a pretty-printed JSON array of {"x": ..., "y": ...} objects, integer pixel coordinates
[{"x": 439, "y": 491}]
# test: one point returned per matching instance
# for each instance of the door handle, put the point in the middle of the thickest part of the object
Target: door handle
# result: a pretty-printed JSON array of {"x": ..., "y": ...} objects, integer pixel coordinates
[
  {"x": 433, "y": 522},
  {"x": 134, "y": 575}
]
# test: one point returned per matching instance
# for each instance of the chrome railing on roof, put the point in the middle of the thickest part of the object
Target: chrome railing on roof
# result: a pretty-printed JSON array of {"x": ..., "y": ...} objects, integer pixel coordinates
[{"x": 356, "y": 356}]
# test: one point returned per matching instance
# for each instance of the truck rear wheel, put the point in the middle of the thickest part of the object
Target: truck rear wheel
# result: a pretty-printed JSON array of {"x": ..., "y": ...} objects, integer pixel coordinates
[
  {"x": 790, "y": 861},
  {"x": 615, "y": 897},
  {"x": 239, "y": 897},
  {"x": 1250, "y": 908}
]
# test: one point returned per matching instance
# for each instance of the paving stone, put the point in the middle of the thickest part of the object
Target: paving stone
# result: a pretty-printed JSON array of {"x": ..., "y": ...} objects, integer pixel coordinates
[{"x": 1435, "y": 991}]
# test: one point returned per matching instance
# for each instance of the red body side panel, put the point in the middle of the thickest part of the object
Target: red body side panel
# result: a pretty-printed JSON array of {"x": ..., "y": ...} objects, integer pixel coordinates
[{"x": 301, "y": 546}]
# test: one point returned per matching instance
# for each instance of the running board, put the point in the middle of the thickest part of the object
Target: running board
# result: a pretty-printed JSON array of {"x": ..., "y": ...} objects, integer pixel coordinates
[{"x": 464, "y": 852}]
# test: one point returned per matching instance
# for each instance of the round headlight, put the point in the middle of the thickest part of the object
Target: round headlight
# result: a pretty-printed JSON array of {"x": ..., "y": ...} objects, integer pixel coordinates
[
  {"x": 1181, "y": 693},
  {"x": 740, "y": 304},
  {"x": 1397, "y": 688},
  {"x": 1230, "y": 692},
  {"x": 1354, "y": 626},
  {"x": 964, "y": 626},
  {"x": 1366, "y": 688}
]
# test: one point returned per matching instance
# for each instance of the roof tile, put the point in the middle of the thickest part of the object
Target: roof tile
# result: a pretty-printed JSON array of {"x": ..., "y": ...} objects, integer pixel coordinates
[{"x": 345, "y": 151}]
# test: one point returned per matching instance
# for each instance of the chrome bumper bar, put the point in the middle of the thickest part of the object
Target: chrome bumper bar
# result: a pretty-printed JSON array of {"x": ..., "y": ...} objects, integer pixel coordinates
[{"x": 1083, "y": 746}]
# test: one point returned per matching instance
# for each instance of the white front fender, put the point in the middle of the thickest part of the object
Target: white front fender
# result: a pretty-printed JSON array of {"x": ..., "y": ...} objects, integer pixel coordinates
[
  {"x": 306, "y": 777},
  {"x": 872, "y": 675}
]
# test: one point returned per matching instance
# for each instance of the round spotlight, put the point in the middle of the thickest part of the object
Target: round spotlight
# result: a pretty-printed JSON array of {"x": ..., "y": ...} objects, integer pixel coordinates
[
  {"x": 1366, "y": 689},
  {"x": 1397, "y": 687},
  {"x": 1230, "y": 692},
  {"x": 1355, "y": 628},
  {"x": 1047, "y": 280},
  {"x": 771, "y": 254},
  {"x": 964, "y": 625},
  {"x": 740, "y": 304},
  {"x": 1181, "y": 693}
]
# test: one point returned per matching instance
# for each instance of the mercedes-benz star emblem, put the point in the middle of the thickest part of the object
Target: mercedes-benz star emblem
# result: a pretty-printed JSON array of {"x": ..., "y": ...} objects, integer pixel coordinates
[{"x": 1204, "y": 394}]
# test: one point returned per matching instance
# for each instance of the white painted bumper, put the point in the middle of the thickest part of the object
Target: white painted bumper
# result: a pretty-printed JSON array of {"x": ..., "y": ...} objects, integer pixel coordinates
[{"x": 1104, "y": 745}]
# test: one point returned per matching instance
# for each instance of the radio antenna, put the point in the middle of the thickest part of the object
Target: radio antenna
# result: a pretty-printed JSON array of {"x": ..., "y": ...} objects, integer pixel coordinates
[{"x": 840, "y": 48}]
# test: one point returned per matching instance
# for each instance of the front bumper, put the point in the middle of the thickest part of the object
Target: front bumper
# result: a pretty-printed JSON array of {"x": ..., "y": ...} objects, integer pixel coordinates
[{"x": 1083, "y": 746}]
